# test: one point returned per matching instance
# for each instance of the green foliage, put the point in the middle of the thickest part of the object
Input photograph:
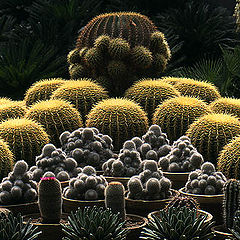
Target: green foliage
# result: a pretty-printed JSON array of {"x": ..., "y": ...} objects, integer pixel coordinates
[
  {"x": 56, "y": 116},
  {"x": 175, "y": 115},
  {"x": 178, "y": 223},
  {"x": 228, "y": 161},
  {"x": 25, "y": 138},
  {"x": 94, "y": 223},
  {"x": 121, "y": 119},
  {"x": 12, "y": 228},
  {"x": 50, "y": 200},
  {"x": 211, "y": 132}
]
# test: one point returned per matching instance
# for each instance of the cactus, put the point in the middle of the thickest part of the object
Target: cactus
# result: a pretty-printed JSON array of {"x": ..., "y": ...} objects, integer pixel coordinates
[
  {"x": 25, "y": 138},
  {"x": 4, "y": 100},
  {"x": 150, "y": 93},
  {"x": 175, "y": 115},
  {"x": 173, "y": 80},
  {"x": 229, "y": 159},
  {"x": 115, "y": 198},
  {"x": 6, "y": 159},
  {"x": 211, "y": 132},
  {"x": 202, "y": 90},
  {"x": 42, "y": 90},
  {"x": 226, "y": 105},
  {"x": 235, "y": 230},
  {"x": 83, "y": 94},
  {"x": 237, "y": 14},
  {"x": 73, "y": 56},
  {"x": 50, "y": 200},
  {"x": 231, "y": 201},
  {"x": 12, "y": 109},
  {"x": 119, "y": 118},
  {"x": 56, "y": 116}
]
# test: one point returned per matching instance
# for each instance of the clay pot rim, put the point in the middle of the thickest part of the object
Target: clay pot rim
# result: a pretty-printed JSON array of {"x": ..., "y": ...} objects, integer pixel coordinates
[
  {"x": 181, "y": 190},
  {"x": 145, "y": 221},
  {"x": 176, "y": 173},
  {"x": 86, "y": 201},
  {"x": 220, "y": 232},
  {"x": 19, "y": 205},
  {"x": 110, "y": 177}
]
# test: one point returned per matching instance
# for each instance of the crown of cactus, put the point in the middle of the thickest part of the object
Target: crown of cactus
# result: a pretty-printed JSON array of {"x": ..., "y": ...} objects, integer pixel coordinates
[
  {"x": 211, "y": 132},
  {"x": 226, "y": 105},
  {"x": 25, "y": 138},
  {"x": 50, "y": 200},
  {"x": 94, "y": 223},
  {"x": 133, "y": 27},
  {"x": 173, "y": 80},
  {"x": 235, "y": 230},
  {"x": 42, "y": 90},
  {"x": 229, "y": 159},
  {"x": 12, "y": 228},
  {"x": 6, "y": 159},
  {"x": 231, "y": 201},
  {"x": 56, "y": 116},
  {"x": 119, "y": 118},
  {"x": 150, "y": 93},
  {"x": 12, "y": 109},
  {"x": 4, "y": 100},
  {"x": 178, "y": 223},
  {"x": 199, "y": 89},
  {"x": 83, "y": 94},
  {"x": 175, "y": 115},
  {"x": 115, "y": 198}
]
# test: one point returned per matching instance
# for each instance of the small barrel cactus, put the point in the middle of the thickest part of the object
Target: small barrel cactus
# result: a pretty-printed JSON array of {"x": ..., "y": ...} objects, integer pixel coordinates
[
  {"x": 42, "y": 90},
  {"x": 50, "y": 200},
  {"x": 115, "y": 199},
  {"x": 4, "y": 100}
]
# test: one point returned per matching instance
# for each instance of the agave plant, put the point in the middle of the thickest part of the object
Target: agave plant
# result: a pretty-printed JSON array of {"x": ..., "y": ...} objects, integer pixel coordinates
[
  {"x": 236, "y": 225},
  {"x": 13, "y": 228},
  {"x": 94, "y": 223},
  {"x": 178, "y": 223}
]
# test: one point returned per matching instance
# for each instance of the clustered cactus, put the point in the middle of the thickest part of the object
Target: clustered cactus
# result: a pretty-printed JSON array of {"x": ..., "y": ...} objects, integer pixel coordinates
[
  {"x": 86, "y": 186},
  {"x": 87, "y": 146},
  {"x": 205, "y": 181},
  {"x": 55, "y": 163},
  {"x": 149, "y": 184},
  {"x": 178, "y": 223},
  {"x": 18, "y": 187},
  {"x": 183, "y": 157}
]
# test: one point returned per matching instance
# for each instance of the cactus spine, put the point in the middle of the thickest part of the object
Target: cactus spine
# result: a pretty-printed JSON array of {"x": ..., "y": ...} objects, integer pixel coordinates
[
  {"x": 115, "y": 199},
  {"x": 231, "y": 201},
  {"x": 50, "y": 200}
]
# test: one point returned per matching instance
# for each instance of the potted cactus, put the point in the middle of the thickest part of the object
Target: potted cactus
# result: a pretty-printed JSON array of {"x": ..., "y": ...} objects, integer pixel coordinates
[{"x": 50, "y": 206}]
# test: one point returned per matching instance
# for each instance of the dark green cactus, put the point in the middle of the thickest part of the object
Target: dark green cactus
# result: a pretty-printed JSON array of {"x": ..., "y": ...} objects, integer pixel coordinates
[
  {"x": 115, "y": 198},
  {"x": 50, "y": 200},
  {"x": 231, "y": 201},
  {"x": 235, "y": 230}
]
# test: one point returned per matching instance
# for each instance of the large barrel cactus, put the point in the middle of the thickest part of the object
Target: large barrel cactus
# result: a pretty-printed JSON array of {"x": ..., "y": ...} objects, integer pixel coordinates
[
  {"x": 25, "y": 138},
  {"x": 175, "y": 115},
  {"x": 56, "y": 116},
  {"x": 211, "y": 132},
  {"x": 117, "y": 49},
  {"x": 121, "y": 119},
  {"x": 4, "y": 100}
]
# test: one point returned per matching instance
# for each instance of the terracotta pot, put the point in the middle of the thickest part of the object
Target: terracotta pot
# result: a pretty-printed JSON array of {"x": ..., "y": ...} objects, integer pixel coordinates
[
  {"x": 209, "y": 203},
  {"x": 24, "y": 208},
  {"x": 134, "y": 232},
  {"x": 178, "y": 179},
  {"x": 144, "y": 207},
  {"x": 209, "y": 215},
  {"x": 221, "y": 232},
  {"x": 49, "y": 231},
  {"x": 72, "y": 205},
  {"x": 123, "y": 180}
]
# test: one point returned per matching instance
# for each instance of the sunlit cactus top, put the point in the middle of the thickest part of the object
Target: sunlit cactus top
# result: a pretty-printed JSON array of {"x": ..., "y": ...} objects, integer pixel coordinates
[{"x": 133, "y": 27}]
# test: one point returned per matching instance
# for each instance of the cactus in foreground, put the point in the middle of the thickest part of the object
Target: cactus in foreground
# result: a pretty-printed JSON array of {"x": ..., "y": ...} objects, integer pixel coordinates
[
  {"x": 94, "y": 223},
  {"x": 56, "y": 116},
  {"x": 211, "y": 132},
  {"x": 6, "y": 159},
  {"x": 115, "y": 199},
  {"x": 119, "y": 118},
  {"x": 231, "y": 201},
  {"x": 202, "y": 90},
  {"x": 173, "y": 80},
  {"x": 178, "y": 223},
  {"x": 25, "y": 138},
  {"x": 50, "y": 200},
  {"x": 229, "y": 159},
  {"x": 150, "y": 93},
  {"x": 175, "y": 115},
  {"x": 42, "y": 90},
  {"x": 4, "y": 100}
]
